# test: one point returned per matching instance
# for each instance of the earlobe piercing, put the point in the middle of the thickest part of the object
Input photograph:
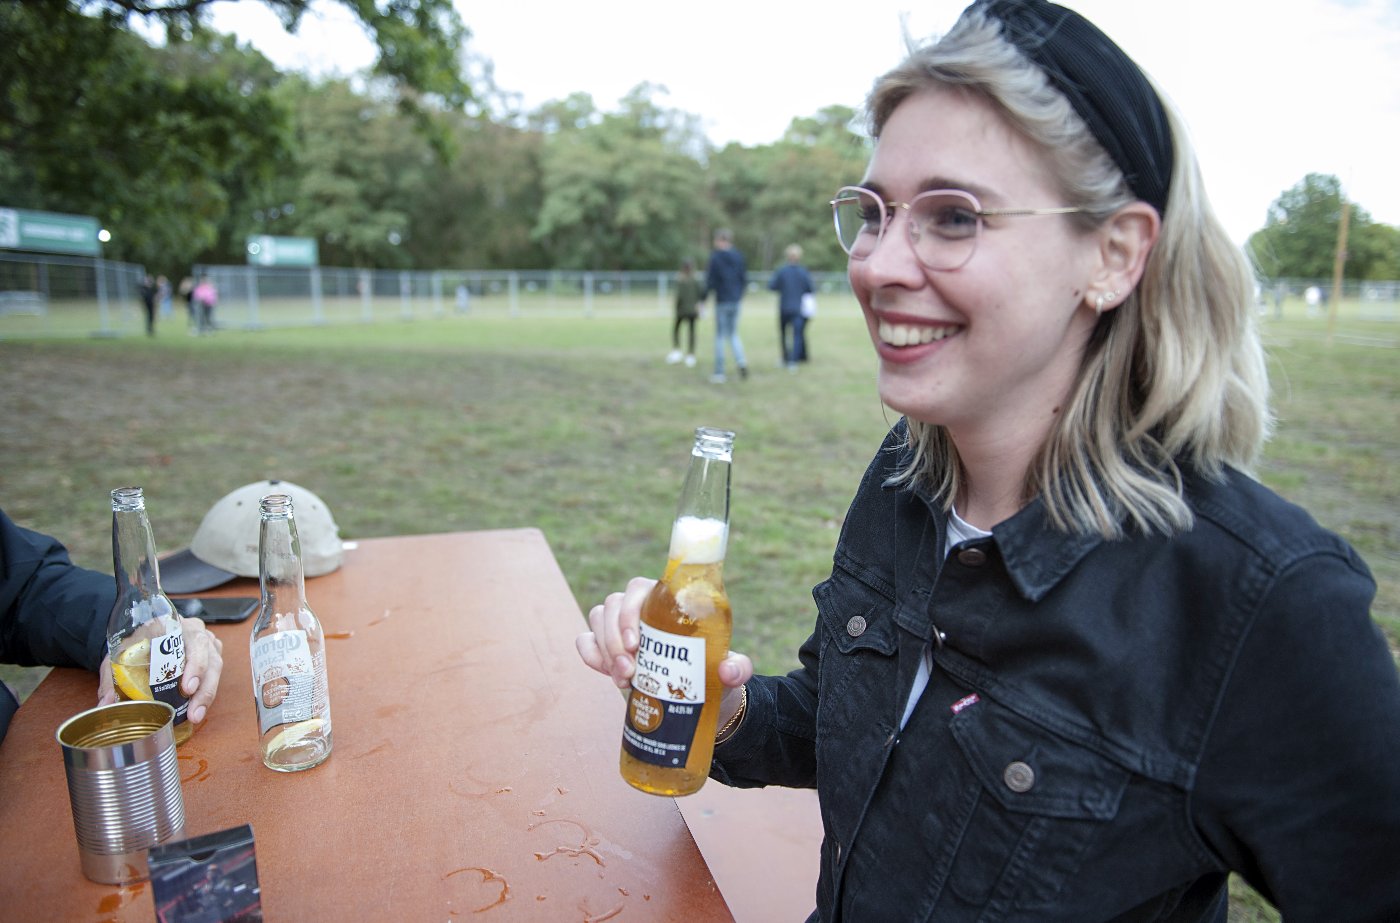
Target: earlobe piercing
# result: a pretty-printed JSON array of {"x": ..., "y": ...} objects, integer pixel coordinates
[{"x": 1102, "y": 299}]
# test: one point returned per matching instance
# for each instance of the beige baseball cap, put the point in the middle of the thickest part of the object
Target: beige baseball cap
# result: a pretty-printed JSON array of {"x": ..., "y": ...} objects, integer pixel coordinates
[{"x": 226, "y": 543}]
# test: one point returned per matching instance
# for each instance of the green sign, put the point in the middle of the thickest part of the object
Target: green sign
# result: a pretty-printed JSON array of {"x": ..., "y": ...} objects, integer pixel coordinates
[
  {"x": 48, "y": 232},
  {"x": 266, "y": 250}
]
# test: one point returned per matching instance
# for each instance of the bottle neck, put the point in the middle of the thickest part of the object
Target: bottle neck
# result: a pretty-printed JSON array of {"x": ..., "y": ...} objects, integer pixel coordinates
[
  {"x": 700, "y": 534},
  {"x": 280, "y": 571},
  {"x": 134, "y": 554}
]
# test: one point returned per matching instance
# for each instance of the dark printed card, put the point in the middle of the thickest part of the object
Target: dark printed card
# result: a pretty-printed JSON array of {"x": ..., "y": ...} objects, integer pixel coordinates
[{"x": 207, "y": 879}]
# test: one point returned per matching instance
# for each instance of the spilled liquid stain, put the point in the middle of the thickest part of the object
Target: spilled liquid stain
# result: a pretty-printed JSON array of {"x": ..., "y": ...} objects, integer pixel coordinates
[
  {"x": 586, "y": 847},
  {"x": 486, "y": 791},
  {"x": 200, "y": 773},
  {"x": 489, "y": 879},
  {"x": 382, "y": 618},
  {"x": 599, "y": 918},
  {"x": 386, "y": 745},
  {"x": 118, "y": 899},
  {"x": 341, "y": 635}
]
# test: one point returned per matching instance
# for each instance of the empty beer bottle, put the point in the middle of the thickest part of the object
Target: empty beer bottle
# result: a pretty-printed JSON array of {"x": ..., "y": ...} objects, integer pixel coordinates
[
  {"x": 287, "y": 650},
  {"x": 145, "y": 642},
  {"x": 668, "y": 735}
]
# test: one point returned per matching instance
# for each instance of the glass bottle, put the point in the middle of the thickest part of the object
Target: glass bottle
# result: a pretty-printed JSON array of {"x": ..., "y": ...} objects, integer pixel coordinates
[
  {"x": 287, "y": 650},
  {"x": 145, "y": 642},
  {"x": 668, "y": 734}
]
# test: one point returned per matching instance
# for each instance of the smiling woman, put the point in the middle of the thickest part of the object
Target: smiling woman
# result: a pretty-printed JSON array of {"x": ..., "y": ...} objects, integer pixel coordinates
[{"x": 1064, "y": 667}]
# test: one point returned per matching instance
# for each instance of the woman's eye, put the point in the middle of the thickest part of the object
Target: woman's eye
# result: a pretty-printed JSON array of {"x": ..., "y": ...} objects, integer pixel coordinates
[{"x": 951, "y": 220}]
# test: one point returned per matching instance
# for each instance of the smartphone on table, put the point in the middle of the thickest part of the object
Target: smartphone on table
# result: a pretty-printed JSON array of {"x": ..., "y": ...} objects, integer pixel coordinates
[{"x": 213, "y": 609}]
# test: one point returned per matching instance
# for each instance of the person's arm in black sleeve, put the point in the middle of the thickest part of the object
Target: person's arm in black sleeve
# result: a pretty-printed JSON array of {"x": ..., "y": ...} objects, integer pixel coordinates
[
  {"x": 52, "y": 612},
  {"x": 1299, "y": 785}
]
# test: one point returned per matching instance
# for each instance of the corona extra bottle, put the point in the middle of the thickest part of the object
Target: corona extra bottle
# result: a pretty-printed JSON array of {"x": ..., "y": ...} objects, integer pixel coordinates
[
  {"x": 144, "y": 639},
  {"x": 668, "y": 735},
  {"x": 287, "y": 650}
]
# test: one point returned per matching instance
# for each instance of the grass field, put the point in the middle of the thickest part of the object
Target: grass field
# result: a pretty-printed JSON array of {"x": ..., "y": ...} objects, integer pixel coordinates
[{"x": 576, "y": 426}]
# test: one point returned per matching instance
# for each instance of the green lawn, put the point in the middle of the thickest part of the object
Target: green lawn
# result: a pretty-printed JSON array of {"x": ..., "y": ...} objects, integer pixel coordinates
[{"x": 575, "y": 425}]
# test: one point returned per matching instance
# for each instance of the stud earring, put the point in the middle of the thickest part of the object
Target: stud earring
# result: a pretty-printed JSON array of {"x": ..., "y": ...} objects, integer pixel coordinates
[{"x": 1103, "y": 299}]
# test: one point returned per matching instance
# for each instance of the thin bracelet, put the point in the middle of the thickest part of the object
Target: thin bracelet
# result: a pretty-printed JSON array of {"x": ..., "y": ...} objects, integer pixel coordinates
[{"x": 733, "y": 723}]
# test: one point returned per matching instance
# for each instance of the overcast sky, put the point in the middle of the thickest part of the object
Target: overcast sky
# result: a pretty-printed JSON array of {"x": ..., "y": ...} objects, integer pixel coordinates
[{"x": 1271, "y": 89}]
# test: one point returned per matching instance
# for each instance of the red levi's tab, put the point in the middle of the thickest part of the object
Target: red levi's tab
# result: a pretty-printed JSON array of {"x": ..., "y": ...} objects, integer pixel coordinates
[{"x": 964, "y": 702}]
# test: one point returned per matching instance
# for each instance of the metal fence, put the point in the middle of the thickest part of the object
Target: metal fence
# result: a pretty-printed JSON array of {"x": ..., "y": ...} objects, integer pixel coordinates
[
  {"x": 46, "y": 296},
  {"x": 42, "y": 295},
  {"x": 254, "y": 297}
]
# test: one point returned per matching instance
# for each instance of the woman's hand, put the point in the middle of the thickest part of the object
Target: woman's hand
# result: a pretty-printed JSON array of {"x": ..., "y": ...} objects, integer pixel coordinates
[{"x": 611, "y": 645}]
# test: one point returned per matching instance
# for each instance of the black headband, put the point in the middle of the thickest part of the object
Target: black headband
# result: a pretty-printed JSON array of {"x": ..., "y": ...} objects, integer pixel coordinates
[{"x": 1110, "y": 93}]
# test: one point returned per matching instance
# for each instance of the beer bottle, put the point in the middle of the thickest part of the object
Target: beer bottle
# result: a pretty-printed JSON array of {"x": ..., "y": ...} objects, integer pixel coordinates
[
  {"x": 668, "y": 734},
  {"x": 145, "y": 642},
  {"x": 287, "y": 650}
]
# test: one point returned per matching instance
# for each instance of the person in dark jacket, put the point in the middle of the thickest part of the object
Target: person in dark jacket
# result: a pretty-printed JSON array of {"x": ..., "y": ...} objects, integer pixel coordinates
[
  {"x": 148, "y": 292},
  {"x": 54, "y": 614},
  {"x": 791, "y": 281},
  {"x": 689, "y": 294},
  {"x": 727, "y": 276},
  {"x": 1072, "y": 663}
]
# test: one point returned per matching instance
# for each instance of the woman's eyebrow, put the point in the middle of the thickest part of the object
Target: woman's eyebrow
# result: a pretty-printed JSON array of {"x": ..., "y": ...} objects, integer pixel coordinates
[{"x": 979, "y": 191}]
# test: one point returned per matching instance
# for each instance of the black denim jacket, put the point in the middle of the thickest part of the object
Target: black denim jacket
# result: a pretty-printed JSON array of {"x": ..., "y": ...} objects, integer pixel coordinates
[{"x": 1109, "y": 729}]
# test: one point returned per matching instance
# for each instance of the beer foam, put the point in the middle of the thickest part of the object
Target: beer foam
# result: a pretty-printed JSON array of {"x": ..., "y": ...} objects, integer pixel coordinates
[{"x": 699, "y": 541}]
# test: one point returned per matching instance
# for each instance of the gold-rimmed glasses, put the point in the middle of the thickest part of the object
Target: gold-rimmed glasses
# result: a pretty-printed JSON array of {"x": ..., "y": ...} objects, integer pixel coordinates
[{"x": 943, "y": 225}]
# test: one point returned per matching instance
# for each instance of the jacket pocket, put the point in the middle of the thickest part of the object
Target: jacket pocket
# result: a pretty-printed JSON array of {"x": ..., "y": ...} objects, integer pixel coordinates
[
  {"x": 858, "y": 621},
  {"x": 1036, "y": 801}
]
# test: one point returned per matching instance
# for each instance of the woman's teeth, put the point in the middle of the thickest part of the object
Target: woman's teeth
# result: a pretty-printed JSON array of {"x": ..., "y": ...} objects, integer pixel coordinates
[{"x": 912, "y": 335}]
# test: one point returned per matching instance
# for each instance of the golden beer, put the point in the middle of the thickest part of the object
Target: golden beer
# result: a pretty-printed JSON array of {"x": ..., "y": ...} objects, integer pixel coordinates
[{"x": 688, "y": 602}]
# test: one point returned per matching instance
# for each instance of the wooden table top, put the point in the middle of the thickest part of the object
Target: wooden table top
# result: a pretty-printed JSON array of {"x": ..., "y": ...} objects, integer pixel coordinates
[{"x": 474, "y": 775}]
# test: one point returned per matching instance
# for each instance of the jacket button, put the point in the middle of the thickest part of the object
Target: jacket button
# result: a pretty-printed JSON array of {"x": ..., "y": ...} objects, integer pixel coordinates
[
  {"x": 856, "y": 626},
  {"x": 1019, "y": 777},
  {"x": 972, "y": 557}
]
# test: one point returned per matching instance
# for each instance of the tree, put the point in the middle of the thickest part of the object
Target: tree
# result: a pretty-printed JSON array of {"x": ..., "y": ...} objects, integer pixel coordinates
[
  {"x": 777, "y": 194},
  {"x": 176, "y": 148},
  {"x": 95, "y": 121},
  {"x": 357, "y": 162},
  {"x": 621, "y": 192},
  {"x": 418, "y": 40},
  {"x": 1299, "y": 238}
]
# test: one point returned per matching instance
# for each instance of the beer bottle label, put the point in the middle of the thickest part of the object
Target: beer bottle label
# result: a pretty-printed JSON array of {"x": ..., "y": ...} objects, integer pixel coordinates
[
  {"x": 285, "y": 681},
  {"x": 668, "y": 692},
  {"x": 167, "y": 666}
]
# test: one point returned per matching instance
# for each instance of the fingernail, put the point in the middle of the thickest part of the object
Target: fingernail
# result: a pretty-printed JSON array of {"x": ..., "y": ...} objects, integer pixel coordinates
[
  {"x": 629, "y": 639},
  {"x": 197, "y": 714}
]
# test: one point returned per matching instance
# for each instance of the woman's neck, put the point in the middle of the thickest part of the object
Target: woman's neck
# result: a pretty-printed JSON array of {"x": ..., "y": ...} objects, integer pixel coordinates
[{"x": 994, "y": 478}]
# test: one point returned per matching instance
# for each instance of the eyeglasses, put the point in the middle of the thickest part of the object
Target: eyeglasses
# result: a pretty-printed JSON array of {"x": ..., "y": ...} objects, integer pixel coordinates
[{"x": 943, "y": 226}]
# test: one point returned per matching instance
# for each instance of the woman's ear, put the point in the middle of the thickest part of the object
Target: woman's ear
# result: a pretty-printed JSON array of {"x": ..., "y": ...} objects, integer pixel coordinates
[{"x": 1125, "y": 241}]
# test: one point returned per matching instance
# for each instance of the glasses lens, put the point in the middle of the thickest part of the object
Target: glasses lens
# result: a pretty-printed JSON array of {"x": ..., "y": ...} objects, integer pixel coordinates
[
  {"x": 859, "y": 215},
  {"x": 944, "y": 228}
]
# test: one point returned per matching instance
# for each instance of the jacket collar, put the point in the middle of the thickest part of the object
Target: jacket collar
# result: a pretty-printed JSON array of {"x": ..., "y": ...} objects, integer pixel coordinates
[{"x": 1036, "y": 554}]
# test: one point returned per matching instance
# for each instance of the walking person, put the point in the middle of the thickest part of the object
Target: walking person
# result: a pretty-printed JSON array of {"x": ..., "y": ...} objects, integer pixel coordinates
[
  {"x": 727, "y": 277},
  {"x": 163, "y": 296},
  {"x": 689, "y": 294},
  {"x": 791, "y": 282},
  {"x": 1073, "y": 662},
  {"x": 191, "y": 312},
  {"x": 148, "y": 302},
  {"x": 206, "y": 299}
]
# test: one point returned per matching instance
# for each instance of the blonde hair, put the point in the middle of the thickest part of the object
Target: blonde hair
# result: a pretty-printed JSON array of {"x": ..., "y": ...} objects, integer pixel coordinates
[
  {"x": 793, "y": 253},
  {"x": 1175, "y": 374}
]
